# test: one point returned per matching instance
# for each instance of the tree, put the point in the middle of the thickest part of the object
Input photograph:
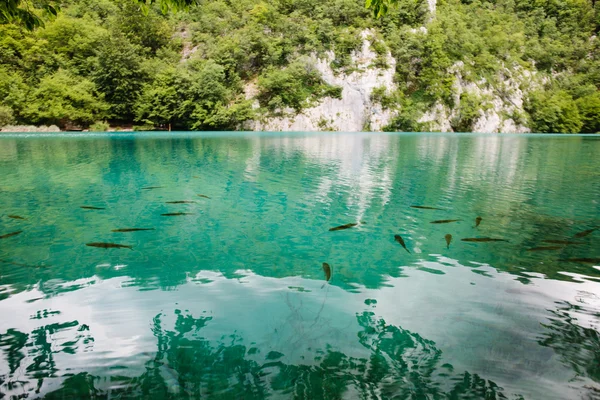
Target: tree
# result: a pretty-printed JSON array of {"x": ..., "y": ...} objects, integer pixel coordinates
[
  {"x": 589, "y": 109},
  {"x": 118, "y": 74},
  {"x": 63, "y": 99},
  {"x": 75, "y": 41},
  {"x": 197, "y": 98},
  {"x": 212, "y": 101},
  {"x": 6, "y": 116},
  {"x": 13, "y": 91},
  {"x": 150, "y": 31},
  {"x": 553, "y": 111},
  {"x": 162, "y": 101},
  {"x": 26, "y": 12},
  {"x": 295, "y": 86}
]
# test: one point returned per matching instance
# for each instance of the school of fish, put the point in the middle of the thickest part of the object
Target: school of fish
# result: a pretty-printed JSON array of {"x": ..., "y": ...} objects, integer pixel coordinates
[
  {"x": 556, "y": 244},
  {"x": 448, "y": 238}
]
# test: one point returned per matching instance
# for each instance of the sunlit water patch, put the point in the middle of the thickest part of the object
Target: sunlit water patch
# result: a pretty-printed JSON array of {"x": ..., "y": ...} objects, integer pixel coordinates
[{"x": 196, "y": 267}]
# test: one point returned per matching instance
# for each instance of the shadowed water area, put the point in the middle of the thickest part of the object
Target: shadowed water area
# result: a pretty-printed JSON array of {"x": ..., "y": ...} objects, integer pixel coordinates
[{"x": 224, "y": 292}]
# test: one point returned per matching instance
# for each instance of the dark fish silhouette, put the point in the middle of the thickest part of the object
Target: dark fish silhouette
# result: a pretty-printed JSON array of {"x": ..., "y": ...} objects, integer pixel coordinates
[
  {"x": 477, "y": 221},
  {"x": 109, "y": 245},
  {"x": 152, "y": 187},
  {"x": 577, "y": 235},
  {"x": 342, "y": 227},
  {"x": 445, "y": 221},
  {"x": 10, "y": 234},
  {"x": 175, "y": 214},
  {"x": 180, "y": 202},
  {"x": 92, "y": 208},
  {"x": 203, "y": 195},
  {"x": 132, "y": 229},
  {"x": 426, "y": 208},
  {"x": 545, "y": 248},
  {"x": 583, "y": 260},
  {"x": 196, "y": 176},
  {"x": 448, "y": 240},
  {"x": 561, "y": 242},
  {"x": 399, "y": 239},
  {"x": 15, "y": 217},
  {"x": 483, "y": 240},
  {"x": 327, "y": 270}
]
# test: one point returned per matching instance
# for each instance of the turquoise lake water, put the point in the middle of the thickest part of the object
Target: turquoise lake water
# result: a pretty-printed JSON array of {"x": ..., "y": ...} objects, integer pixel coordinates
[{"x": 230, "y": 301}]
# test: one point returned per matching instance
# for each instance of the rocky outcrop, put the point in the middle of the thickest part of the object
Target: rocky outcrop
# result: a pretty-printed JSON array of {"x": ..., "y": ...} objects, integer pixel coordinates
[
  {"x": 501, "y": 98},
  {"x": 30, "y": 128},
  {"x": 355, "y": 111},
  {"x": 501, "y": 102},
  {"x": 431, "y": 6}
]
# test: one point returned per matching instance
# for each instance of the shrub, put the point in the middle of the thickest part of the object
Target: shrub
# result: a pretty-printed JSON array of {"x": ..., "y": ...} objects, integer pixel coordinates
[
  {"x": 408, "y": 117},
  {"x": 295, "y": 86},
  {"x": 589, "y": 110},
  {"x": 469, "y": 110},
  {"x": 143, "y": 127},
  {"x": 100, "y": 126},
  {"x": 553, "y": 111},
  {"x": 6, "y": 116},
  {"x": 63, "y": 99}
]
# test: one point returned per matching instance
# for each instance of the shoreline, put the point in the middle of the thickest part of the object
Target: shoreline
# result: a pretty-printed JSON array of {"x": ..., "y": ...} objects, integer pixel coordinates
[{"x": 226, "y": 134}]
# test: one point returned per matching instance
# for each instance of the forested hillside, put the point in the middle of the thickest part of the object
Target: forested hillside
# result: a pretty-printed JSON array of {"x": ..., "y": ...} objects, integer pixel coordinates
[{"x": 520, "y": 65}]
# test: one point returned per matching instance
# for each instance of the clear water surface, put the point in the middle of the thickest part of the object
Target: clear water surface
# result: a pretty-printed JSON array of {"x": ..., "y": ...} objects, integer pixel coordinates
[{"x": 231, "y": 301}]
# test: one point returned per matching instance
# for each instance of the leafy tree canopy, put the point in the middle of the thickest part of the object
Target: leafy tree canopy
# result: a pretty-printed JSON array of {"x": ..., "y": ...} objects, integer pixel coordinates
[{"x": 28, "y": 12}]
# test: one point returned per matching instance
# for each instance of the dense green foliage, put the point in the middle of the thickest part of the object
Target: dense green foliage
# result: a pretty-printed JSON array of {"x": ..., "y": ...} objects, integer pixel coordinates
[
  {"x": 554, "y": 40},
  {"x": 62, "y": 98},
  {"x": 27, "y": 12},
  {"x": 293, "y": 86},
  {"x": 188, "y": 69}
]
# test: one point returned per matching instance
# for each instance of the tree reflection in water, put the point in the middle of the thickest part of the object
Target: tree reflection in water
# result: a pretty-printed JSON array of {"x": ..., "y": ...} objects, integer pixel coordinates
[
  {"x": 401, "y": 365},
  {"x": 578, "y": 346},
  {"x": 38, "y": 349}
]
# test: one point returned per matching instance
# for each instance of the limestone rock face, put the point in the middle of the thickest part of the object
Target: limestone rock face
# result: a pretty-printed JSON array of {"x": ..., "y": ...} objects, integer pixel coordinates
[
  {"x": 354, "y": 111},
  {"x": 502, "y": 99}
]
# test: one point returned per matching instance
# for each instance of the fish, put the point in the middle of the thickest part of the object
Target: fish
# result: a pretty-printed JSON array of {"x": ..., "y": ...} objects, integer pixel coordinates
[
  {"x": 477, "y": 221},
  {"x": 152, "y": 187},
  {"x": 544, "y": 248},
  {"x": 180, "y": 202},
  {"x": 426, "y": 208},
  {"x": 483, "y": 240},
  {"x": 15, "y": 217},
  {"x": 132, "y": 229},
  {"x": 445, "y": 221},
  {"x": 448, "y": 240},
  {"x": 203, "y": 195},
  {"x": 342, "y": 227},
  {"x": 577, "y": 235},
  {"x": 583, "y": 260},
  {"x": 175, "y": 214},
  {"x": 399, "y": 239},
  {"x": 92, "y": 208},
  {"x": 7, "y": 235},
  {"x": 327, "y": 270},
  {"x": 196, "y": 176},
  {"x": 561, "y": 242},
  {"x": 109, "y": 245}
]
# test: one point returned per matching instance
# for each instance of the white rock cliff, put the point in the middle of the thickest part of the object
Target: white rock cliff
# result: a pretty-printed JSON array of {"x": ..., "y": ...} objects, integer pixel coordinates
[{"x": 354, "y": 111}]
